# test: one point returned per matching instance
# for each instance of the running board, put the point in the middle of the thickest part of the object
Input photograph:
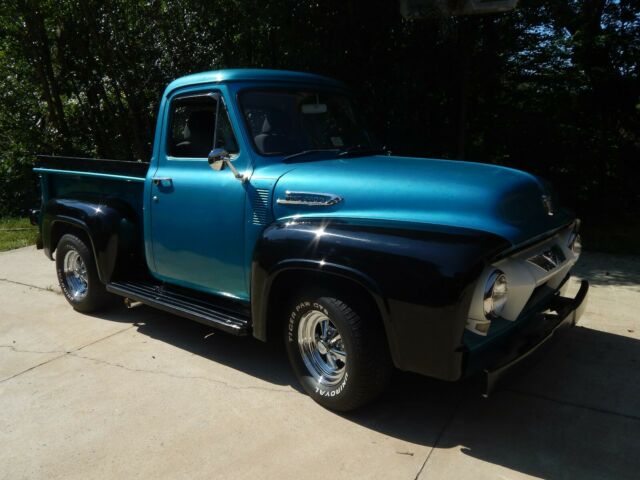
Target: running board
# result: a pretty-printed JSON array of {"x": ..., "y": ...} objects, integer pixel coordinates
[{"x": 192, "y": 305}]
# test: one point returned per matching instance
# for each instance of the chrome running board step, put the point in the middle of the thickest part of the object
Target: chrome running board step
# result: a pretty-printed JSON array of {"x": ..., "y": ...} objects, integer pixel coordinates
[{"x": 196, "y": 306}]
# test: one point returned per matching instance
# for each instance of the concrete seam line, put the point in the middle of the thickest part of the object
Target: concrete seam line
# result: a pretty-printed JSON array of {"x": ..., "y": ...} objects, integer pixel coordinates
[
  {"x": 32, "y": 368},
  {"x": 173, "y": 375},
  {"x": 440, "y": 434},
  {"x": 17, "y": 350},
  {"x": 30, "y": 286},
  {"x": 103, "y": 338},
  {"x": 66, "y": 352},
  {"x": 572, "y": 404}
]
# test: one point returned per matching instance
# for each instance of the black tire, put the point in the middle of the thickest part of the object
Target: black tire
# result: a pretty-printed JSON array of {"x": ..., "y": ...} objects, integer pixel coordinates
[
  {"x": 95, "y": 296},
  {"x": 367, "y": 369}
]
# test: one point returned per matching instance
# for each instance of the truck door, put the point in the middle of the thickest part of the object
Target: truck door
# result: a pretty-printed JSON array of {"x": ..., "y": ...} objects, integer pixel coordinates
[{"x": 197, "y": 214}]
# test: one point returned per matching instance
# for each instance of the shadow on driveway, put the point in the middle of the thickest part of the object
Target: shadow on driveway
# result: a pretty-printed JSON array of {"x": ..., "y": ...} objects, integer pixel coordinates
[
  {"x": 603, "y": 269},
  {"x": 574, "y": 414}
]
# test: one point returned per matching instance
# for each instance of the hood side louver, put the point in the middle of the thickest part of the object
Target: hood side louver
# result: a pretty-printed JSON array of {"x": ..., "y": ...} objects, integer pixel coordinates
[{"x": 261, "y": 209}]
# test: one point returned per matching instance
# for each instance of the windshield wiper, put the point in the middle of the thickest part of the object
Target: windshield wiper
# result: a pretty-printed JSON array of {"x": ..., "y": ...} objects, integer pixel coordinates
[
  {"x": 307, "y": 152},
  {"x": 359, "y": 150}
]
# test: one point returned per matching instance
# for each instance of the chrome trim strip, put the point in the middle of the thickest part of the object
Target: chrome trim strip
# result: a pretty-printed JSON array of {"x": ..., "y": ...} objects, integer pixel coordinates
[
  {"x": 111, "y": 176},
  {"x": 533, "y": 241},
  {"x": 548, "y": 204},
  {"x": 309, "y": 199}
]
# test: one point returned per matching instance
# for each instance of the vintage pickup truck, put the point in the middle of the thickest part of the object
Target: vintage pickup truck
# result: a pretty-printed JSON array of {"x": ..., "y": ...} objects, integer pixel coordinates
[{"x": 267, "y": 210}]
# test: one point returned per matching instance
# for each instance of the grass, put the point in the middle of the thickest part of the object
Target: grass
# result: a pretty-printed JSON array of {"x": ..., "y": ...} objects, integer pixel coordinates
[{"x": 16, "y": 233}]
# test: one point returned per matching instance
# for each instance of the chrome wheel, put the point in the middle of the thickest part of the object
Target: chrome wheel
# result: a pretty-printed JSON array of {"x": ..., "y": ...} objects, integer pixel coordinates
[
  {"x": 75, "y": 275},
  {"x": 322, "y": 348}
]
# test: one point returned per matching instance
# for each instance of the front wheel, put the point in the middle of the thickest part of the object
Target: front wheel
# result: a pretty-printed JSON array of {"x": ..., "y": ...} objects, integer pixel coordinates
[
  {"x": 78, "y": 275},
  {"x": 337, "y": 350}
]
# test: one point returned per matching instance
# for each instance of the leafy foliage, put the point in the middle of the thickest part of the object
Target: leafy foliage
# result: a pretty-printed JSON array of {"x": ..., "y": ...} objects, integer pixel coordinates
[{"x": 551, "y": 88}]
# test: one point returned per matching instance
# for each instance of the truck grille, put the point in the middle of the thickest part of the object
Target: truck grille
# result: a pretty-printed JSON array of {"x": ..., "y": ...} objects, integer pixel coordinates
[
  {"x": 260, "y": 205},
  {"x": 549, "y": 259}
]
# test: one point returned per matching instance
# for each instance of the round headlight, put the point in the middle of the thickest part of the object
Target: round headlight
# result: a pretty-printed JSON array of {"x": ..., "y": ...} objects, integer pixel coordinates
[{"x": 495, "y": 294}]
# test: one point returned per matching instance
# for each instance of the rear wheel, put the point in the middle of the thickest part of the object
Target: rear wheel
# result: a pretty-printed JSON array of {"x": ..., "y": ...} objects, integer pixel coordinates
[
  {"x": 337, "y": 350},
  {"x": 78, "y": 275}
]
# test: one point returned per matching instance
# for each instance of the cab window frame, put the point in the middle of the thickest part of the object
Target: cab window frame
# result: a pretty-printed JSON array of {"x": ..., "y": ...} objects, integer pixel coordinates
[
  {"x": 327, "y": 89},
  {"x": 213, "y": 95}
]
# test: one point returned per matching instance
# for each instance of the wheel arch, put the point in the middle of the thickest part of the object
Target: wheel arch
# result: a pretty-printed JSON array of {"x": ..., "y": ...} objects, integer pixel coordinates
[
  {"x": 288, "y": 275},
  {"x": 61, "y": 226}
]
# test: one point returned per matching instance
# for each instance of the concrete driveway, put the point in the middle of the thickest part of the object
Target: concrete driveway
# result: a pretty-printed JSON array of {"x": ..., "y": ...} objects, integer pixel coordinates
[{"x": 140, "y": 394}]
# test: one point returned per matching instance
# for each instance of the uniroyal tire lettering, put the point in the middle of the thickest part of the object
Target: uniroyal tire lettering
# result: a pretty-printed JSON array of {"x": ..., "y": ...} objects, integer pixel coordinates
[{"x": 333, "y": 393}]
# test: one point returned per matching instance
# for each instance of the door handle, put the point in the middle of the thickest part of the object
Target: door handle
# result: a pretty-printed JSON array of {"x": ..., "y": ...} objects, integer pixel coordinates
[{"x": 162, "y": 181}]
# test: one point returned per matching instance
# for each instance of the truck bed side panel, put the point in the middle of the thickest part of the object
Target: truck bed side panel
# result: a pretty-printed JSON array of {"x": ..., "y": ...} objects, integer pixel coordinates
[{"x": 104, "y": 199}]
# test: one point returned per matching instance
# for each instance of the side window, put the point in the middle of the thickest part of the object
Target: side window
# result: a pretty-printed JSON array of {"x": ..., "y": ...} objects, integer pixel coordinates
[{"x": 191, "y": 127}]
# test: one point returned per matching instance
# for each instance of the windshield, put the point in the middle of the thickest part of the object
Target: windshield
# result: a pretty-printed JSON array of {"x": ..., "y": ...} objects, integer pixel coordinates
[{"x": 286, "y": 122}]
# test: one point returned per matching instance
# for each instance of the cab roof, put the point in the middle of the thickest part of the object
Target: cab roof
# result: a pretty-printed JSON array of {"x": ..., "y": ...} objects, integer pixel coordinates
[{"x": 251, "y": 74}]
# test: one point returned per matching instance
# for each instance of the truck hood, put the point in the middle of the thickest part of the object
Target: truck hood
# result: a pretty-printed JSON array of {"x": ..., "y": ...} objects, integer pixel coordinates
[{"x": 503, "y": 201}]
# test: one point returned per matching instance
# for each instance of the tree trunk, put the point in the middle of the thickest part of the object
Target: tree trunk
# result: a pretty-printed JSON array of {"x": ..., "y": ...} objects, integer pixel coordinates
[{"x": 38, "y": 48}]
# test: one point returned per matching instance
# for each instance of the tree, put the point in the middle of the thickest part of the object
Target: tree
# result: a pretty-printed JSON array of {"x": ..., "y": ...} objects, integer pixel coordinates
[{"x": 552, "y": 87}]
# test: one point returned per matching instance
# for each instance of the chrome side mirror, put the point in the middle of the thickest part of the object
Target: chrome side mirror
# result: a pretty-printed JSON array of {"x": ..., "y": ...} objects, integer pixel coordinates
[{"x": 219, "y": 157}]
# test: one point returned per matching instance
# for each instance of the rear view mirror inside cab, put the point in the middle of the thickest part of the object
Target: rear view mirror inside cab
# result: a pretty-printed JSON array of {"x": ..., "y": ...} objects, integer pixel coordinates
[{"x": 314, "y": 108}]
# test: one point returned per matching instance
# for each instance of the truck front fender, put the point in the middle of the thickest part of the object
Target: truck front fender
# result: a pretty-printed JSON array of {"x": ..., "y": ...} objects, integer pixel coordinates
[
  {"x": 111, "y": 226},
  {"x": 421, "y": 279}
]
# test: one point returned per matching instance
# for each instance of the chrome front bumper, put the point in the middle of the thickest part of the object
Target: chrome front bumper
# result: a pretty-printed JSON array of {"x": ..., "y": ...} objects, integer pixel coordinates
[{"x": 565, "y": 313}]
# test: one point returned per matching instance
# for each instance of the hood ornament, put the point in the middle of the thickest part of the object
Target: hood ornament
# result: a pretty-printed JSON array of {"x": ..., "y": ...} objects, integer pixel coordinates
[{"x": 309, "y": 199}]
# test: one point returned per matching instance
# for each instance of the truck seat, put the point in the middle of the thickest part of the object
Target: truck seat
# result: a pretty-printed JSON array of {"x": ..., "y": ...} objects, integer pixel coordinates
[
  {"x": 197, "y": 134},
  {"x": 274, "y": 135}
]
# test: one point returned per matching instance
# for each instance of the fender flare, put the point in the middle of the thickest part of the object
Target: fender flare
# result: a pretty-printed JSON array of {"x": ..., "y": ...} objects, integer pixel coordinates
[
  {"x": 112, "y": 229},
  {"x": 262, "y": 284},
  {"x": 260, "y": 302}
]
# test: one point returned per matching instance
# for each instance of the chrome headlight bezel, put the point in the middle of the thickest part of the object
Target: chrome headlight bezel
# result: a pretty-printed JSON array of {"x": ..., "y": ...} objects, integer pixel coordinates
[
  {"x": 496, "y": 293},
  {"x": 575, "y": 243},
  {"x": 574, "y": 240}
]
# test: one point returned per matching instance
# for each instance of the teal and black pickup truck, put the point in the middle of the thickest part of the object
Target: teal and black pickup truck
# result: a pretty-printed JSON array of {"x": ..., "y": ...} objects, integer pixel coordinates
[{"x": 267, "y": 210}]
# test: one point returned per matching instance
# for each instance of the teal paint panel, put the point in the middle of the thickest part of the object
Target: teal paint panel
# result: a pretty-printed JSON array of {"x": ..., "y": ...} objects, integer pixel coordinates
[
  {"x": 196, "y": 221},
  {"x": 95, "y": 186},
  {"x": 477, "y": 196}
]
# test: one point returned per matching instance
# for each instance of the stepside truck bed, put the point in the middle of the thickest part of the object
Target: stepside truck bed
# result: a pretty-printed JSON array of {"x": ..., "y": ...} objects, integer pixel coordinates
[
  {"x": 93, "y": 179},
  {"x": 101, "y": 198}
]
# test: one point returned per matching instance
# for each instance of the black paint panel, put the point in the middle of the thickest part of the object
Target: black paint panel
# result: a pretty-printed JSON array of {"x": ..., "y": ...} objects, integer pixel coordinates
[
  {"x": 422, "y": 280},
  {"x": 111, "y": 225}
]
